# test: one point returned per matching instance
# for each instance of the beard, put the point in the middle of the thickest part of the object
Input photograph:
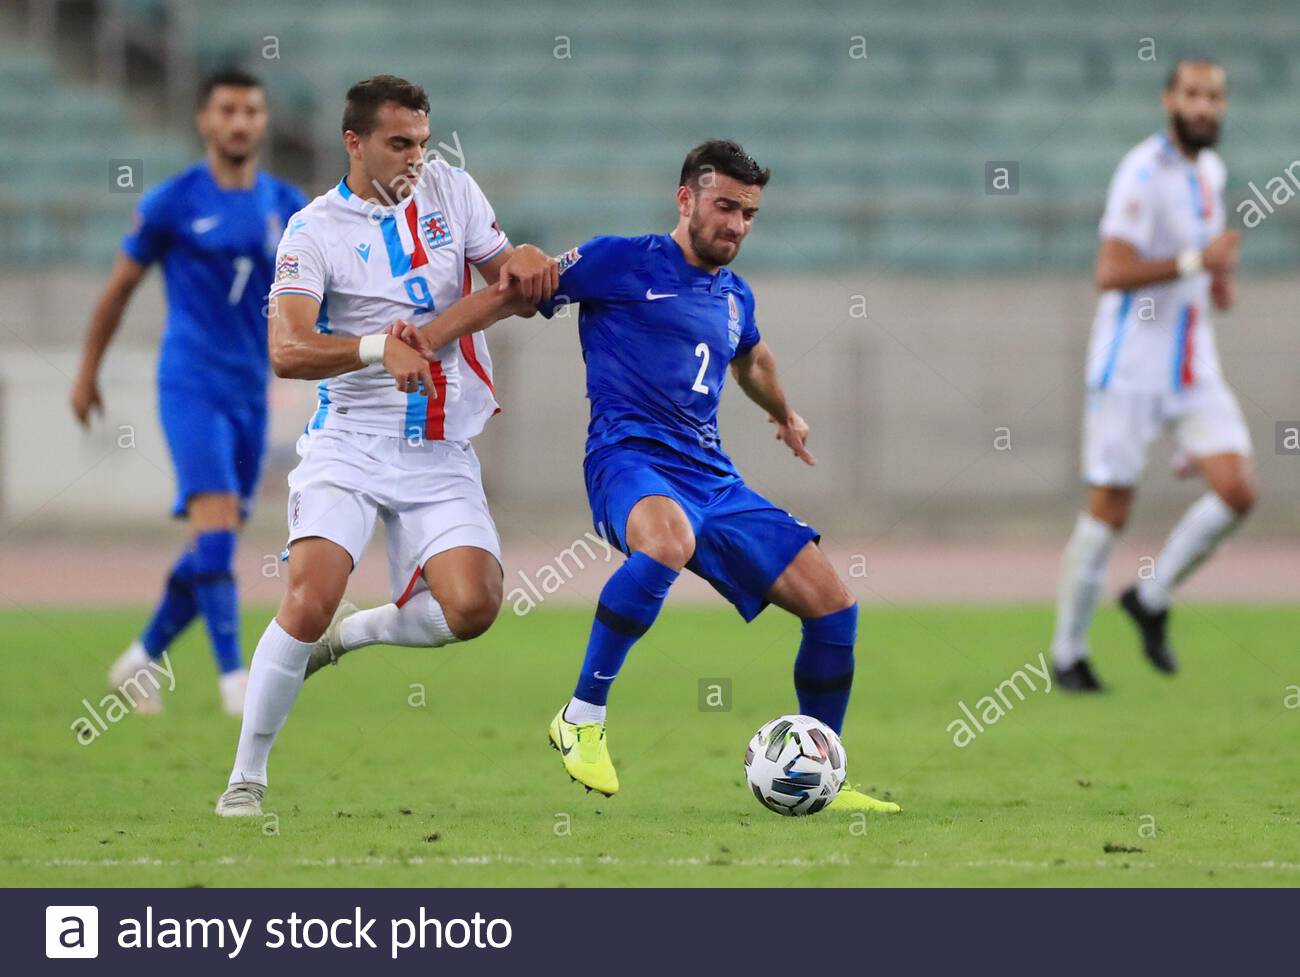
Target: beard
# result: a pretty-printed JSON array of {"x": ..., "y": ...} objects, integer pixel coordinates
[
  {"x": 236, "y": 153},
  {"x": 711, "y": 250},
  {"x": 1195, "y": 136}
]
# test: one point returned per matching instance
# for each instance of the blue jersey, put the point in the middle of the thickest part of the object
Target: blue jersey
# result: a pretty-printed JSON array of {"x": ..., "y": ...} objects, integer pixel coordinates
[
  {"x": 217, "y": 248},
  {"x": 657, "y": 336}
]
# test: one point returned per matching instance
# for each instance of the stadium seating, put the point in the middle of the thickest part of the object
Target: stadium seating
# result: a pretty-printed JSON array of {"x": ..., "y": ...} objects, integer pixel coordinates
[{"x": 576, "y": 116}]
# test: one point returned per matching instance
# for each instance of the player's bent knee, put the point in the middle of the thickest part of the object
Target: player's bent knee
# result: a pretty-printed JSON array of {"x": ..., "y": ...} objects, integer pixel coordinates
[
  {"x": 1239, "y": 496},
  {"x": 471, "y": 617},
  {"x": 1115, "y": 520},
  {"x": 673, "y": 548},
  {"x": 1112, "y": 511},
  {"x": 841, "y": 601},
  {"x": 305, "y": 614},
  {"x": 213, "y": 511}
]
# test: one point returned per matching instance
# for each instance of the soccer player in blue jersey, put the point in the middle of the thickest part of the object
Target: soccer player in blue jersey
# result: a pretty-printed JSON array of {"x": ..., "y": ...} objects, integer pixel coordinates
[
  {"x": 662, "y": 319},
  {"x": 215, "y": 228}
]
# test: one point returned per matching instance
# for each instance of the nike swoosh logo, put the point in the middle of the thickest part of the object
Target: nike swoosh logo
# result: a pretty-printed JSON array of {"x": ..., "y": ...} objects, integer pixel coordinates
[
  {"x": 651, "y": 295},
  {"x": 205, "y": 224},
  {"x": 605, "y": 678},
  {"x": 564, "y": 750}
]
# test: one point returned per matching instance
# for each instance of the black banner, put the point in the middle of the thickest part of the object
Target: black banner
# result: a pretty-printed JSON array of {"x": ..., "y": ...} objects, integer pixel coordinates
[{"x": 584, "y": 931}]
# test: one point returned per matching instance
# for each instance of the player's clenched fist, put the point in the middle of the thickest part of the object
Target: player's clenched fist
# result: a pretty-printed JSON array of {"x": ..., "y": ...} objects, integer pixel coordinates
[{"x": 536, "y": 273}]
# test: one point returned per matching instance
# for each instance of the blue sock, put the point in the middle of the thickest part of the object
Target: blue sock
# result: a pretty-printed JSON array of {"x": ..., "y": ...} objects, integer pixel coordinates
[
  {"x": 823, "y": 669},
  {"x": 629, "y": 603},
  {"x": 174, "y": 612},
  {"x": 213, "y": 581}
]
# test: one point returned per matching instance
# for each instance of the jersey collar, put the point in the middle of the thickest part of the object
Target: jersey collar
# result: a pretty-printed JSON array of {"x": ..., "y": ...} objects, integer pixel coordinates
[
  {"x": 718, "y": 281},
  {"x": 1172, "y": 153},
  {"x": 363, "y": 206}
]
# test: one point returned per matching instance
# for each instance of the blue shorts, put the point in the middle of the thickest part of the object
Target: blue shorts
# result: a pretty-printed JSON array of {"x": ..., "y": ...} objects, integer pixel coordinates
[
  {"x": 215, "y": 446},
  {"x": 742, "y": 541}
]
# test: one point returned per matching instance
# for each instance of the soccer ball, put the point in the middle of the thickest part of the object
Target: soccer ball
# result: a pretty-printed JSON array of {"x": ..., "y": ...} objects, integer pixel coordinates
[{"x": 795, "y": 765}]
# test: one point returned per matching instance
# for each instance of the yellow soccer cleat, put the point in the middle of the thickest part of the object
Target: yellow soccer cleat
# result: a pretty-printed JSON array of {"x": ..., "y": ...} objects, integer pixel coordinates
[
  {"x": 586, "y": 753},
  {"x": 851, "y": 799}
]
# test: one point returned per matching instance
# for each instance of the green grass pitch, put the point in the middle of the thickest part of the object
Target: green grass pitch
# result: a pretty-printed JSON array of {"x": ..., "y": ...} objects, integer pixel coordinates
[{"x": 430, "y": 768}]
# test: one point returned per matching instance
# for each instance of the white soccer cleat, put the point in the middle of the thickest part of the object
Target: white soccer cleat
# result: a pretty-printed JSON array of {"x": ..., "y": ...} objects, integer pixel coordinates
[
  {"x": 242, "y": 800},
  {"x": 132, "y": 677},
  {"x": 233, "y": 686},
  {"x": 329, "y": 648}
]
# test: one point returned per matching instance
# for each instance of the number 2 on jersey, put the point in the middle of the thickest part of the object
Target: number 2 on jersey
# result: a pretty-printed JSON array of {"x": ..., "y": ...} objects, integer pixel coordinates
[{"x": 700, "y": 387}]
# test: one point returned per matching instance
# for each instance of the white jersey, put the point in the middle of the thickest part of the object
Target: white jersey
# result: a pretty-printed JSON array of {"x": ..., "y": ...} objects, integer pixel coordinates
[
  {"x": 1159, "y": 338},
  {"x": 371, "y": 265}
]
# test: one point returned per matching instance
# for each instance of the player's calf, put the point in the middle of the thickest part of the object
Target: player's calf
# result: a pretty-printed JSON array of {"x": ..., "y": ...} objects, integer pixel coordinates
[
  {"x": 419, "y": 622},
  {"x": 824, "y": 665},
  {"x": 461, "y": 603},
  {"x": 629, "y": 603}
]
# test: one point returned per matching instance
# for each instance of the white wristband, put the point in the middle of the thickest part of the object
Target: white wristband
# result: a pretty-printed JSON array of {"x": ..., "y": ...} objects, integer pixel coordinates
[
  {"x": 372, "y": 348},
  {"x": 1190, "y": 262}
]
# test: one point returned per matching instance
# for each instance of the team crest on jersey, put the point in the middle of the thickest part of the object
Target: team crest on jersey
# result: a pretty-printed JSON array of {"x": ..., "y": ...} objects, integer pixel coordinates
[
  {"x": 436, "y": 230},
  {"x": 568, "y": 259},
  {"x": 733, "y": 321},
  {"x": 287, "y": 268}
]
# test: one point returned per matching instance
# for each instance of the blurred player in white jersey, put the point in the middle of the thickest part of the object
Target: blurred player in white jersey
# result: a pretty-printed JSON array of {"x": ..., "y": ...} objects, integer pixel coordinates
[
  {"x": 1164, "y": 260},
  {"x": 358, "y": 271}
]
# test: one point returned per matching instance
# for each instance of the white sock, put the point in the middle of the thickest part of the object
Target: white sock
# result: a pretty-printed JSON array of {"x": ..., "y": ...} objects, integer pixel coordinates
[
  {"x": 233, "y": 686},
  {"x": 1083, "y": 575},
  {"x": 419, "y": 623},
  {"x": 1201, "y": 529},
  {"x": 131, "y": 661},
  {"x": 273, "y": 683},
  {"x": 579, "y": 711}
]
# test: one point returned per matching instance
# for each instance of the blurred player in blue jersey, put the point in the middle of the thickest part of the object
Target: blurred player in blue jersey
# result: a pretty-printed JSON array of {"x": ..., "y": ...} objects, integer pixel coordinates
[
  {"x": 214, "y": 227},
  {"x": 661, "y": 320}
]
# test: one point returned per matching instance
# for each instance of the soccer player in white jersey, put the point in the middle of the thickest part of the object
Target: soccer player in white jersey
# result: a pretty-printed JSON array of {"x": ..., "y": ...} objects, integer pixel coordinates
[
  {"x": 1164, "y": 260},
  {"x": 359, "y": 270}
]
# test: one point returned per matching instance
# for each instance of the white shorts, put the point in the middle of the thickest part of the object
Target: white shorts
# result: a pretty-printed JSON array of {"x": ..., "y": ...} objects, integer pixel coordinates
[
  {"x": 429, "y": 494},
  {"x": 1118, "y": 428}
]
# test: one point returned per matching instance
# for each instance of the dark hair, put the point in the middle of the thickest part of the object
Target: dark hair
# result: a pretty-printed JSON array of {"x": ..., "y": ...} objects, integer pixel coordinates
[
  {"x": 365, "y": 98},
  {"x": 1172, "y": 80},
  {"x": 726, "y": 157},
  {"x": 232, "y": 77}
]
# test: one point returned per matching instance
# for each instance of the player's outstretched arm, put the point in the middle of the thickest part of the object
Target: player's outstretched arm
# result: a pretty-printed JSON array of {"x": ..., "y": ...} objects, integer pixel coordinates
[
  {"x": 104, "y": 321},
  {"x": 755, "y": 372},
  {"x": 299, "y": 352},
  {"x": 469, "y": 314}
]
